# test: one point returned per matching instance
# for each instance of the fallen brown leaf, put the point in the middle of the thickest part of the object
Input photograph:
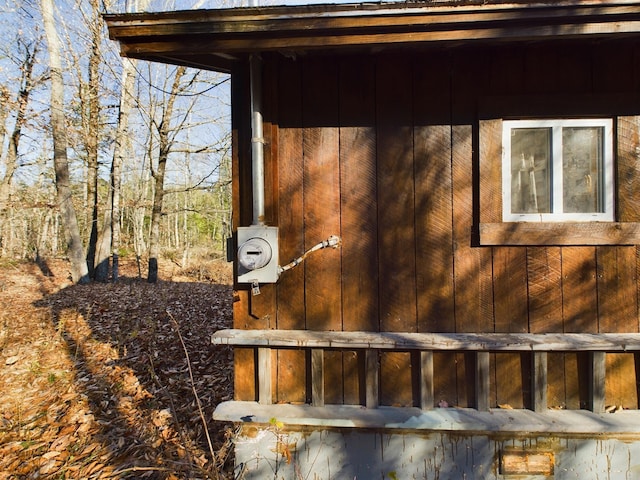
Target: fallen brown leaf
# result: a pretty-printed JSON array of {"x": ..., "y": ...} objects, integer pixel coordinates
[{"x": 97, "y": 384}]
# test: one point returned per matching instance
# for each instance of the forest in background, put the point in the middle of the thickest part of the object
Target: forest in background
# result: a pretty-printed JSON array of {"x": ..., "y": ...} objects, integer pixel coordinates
[{"x": 146, "y": 147}]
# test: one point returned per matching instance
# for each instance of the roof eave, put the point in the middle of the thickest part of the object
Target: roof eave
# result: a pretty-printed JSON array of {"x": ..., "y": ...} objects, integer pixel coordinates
[{"x": 216, "y": 39}]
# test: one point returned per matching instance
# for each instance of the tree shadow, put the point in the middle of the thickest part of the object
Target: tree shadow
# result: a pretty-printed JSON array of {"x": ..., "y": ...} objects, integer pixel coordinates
[{"x": 124, "y": 341}]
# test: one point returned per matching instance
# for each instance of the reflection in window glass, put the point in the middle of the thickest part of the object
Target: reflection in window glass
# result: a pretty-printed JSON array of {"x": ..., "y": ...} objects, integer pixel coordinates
[
  {"x": 582, "y": 169},
  {"x": 530, "y": 170}
]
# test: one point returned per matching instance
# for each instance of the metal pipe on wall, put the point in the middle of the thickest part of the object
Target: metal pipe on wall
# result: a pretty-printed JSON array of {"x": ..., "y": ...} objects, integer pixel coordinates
[{"x": 257, "y": 139}]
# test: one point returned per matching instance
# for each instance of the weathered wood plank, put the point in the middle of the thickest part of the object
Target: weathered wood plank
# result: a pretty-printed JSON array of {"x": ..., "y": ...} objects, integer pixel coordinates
[
  {"x": 617, "y": 312},
  {"x": 511, "y": 315},
  {"x": 310, "y": 39},
  {"x": 482, "y": 383},
  {"x": 426, "y": 380},
  {"x": 317, "y": 377},
  {"x": 433, "y": 191},
  {"x": 628, "y": 168},
  {"x": 372, "y": 382},
  {"x": 622, "y": 370},
  {"x": 508, "y": 263},
  {"x": 466, "y": 23},
  {"x": 491, "y": 171},
  {"x": 579, "y": 293},
  {"x": 396, "y": 220},
  {"x": 265, "y": 386},
  {"x": 434, "y": 216},
  {"x": 403, "y": 341},
  {"x": 472, "y": 266},
  {"x": 290, "y": 313},
  {"x": 544, "y": 273},
  {"x": 579, "y": 311},
  {"x": 358, "y": 207},
  {"x": 597, "y": 375},
  {"x": 539, "y": 382},
  {"x": 321, "y": 205},
  {"x": 621, "y": 383},
  {"x": 534, "y": 233}
]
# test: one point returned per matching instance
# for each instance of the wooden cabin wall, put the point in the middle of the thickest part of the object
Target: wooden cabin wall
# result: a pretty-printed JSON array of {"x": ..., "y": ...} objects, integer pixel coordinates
[{"x": 385, "y": 150}]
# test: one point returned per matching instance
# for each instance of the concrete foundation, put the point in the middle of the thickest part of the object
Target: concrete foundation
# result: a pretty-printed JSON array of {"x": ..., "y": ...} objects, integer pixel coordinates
[{"x": 350, "y": 443}]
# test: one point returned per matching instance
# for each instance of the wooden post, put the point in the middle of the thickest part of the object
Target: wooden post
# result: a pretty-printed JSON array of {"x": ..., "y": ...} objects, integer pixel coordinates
[
  {"x": 596, "y": 381},
  {"x": 372, "y": 378},
  {"x": 264, "y": 376},
  {"x": 539, "y": 382},
  {"x": 317, "y": 377},
  {"x": 482, "y": 381},
  {"x": 426, "y": 380}
]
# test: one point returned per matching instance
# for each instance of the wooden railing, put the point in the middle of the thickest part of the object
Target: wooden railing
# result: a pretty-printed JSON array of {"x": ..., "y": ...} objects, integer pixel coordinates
[{"x": 479, "y": 344}]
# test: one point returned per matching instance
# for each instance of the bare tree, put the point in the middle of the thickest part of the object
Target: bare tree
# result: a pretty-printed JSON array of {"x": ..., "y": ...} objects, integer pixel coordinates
[
  {"x": 9, "y": 158},
  {"x": 79, "y": 270},
  {"x": 166, "y": 138},
  {"x": 97, "y": 259},
  {"x": 120, "y": 149}
]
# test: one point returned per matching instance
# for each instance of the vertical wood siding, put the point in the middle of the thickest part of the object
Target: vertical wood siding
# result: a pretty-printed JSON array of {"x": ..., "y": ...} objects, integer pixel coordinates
[{"x": 390, "y": 152}]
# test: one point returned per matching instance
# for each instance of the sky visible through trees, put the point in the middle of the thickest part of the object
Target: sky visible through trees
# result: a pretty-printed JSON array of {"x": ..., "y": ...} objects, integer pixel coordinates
[{"x": 97, "y": 103}]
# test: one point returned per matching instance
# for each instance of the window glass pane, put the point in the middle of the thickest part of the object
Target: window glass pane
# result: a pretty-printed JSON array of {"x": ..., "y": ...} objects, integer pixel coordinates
[
  {"x": 582, "y": 158},
  {"x": 530, "y": 170}
]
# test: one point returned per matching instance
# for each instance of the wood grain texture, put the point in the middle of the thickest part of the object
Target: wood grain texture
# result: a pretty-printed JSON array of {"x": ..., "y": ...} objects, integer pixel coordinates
[
  {"x": 398, "y": 155},
  {"x": 472, "y": 265},
  {"x": 434, "y": 216},
  {"x": 404, "y": 341},
  {"x": 559, "y": 234},
  {"x": 511, "y": 315},
  {"x": 358, "y": 209},
  {"x": 618, "y": 312},
  {"x": 358, "y": 194},
  {"x": 628, "y": 168},
  {"x": 539, "y": 382},
  {"x": 396, "y": 227},
  {"x": 433, "y": 194},
  {"x": 321, "y": 205},
  {"x": 291, "y": 365}
]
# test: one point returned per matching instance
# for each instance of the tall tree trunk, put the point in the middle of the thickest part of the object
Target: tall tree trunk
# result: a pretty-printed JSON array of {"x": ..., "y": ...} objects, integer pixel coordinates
[
  {"x": 9, "y": 158},
  {"x": 164, "y": 148},
  {"x": 79, "y": 270},
  {"x": 121, "y": 146},
  {"x": 98, "y": 264}
]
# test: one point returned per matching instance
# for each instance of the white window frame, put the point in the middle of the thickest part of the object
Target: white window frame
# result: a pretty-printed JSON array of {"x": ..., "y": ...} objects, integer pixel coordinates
[{"x": 557, "y": 215}]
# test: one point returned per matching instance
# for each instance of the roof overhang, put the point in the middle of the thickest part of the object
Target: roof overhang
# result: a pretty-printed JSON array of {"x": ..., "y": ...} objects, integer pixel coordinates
[{"x": 218, "y": 39}]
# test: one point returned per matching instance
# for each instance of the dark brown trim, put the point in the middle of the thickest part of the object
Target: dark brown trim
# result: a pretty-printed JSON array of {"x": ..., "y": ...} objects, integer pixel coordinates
[
  {"x": 534, "y": 233},
  {"x": 177, "y": 37}
]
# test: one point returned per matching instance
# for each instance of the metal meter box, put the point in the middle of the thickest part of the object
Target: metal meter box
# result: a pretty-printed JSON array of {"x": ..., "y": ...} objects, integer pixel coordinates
[{"x": 258, "y": 254}]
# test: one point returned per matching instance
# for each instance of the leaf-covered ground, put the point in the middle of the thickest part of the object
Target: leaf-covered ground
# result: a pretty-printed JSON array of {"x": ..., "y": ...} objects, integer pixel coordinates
[{"x": 97, "y": 381}]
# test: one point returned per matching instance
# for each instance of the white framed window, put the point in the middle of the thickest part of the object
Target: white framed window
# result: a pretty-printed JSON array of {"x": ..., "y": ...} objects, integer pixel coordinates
[{"x": 557, "y": 170}]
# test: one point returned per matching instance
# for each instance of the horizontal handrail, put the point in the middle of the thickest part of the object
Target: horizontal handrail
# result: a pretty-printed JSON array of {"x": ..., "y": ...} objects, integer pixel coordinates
[
  {"x": 480, "y": 344},
  {"x": 491, "y": 342}
]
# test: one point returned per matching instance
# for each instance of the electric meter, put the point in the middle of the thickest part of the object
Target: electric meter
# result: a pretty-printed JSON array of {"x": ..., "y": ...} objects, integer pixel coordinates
[
  {"x": 257, "y": 254},
  {"x": 254, "y": 253}
]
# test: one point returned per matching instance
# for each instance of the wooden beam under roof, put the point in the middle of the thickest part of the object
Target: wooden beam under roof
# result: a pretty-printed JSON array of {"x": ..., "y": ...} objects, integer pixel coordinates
[{"x": 216, "y": 39}]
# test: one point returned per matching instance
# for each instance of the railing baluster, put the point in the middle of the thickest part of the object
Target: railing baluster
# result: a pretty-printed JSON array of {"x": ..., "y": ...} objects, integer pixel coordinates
[
  {"x": 264, "y": 376},
  {"x": 539, "y": 382},
  {"x": 482, "y": 380},
  {"x": 372, "y": 362},
  {"x": 596, "y": 381},
  {"x": 426, "y": 379},
  {"x": 317, "y": 377}
]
